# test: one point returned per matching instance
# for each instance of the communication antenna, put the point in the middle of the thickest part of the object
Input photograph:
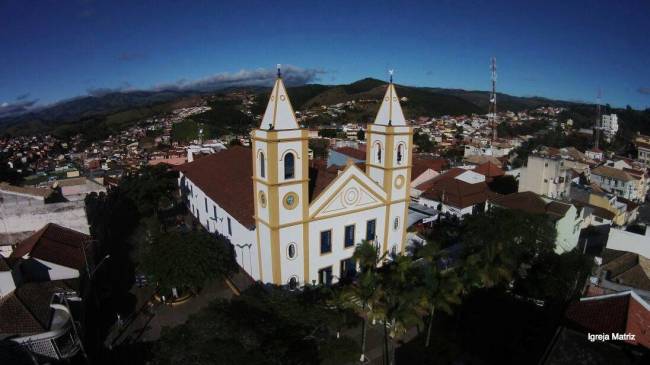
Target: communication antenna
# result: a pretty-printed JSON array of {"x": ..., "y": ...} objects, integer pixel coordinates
[
  {"x": 492, "y": 112},
  {"x": 597, "y": 124}
]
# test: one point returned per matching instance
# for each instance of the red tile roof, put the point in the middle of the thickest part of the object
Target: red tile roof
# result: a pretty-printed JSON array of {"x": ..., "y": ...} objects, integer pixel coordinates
[
  {"x": 422, "y": 165},
  {"x": 226, "y": 178},
  {"x": 449, "y": 190},
  {"x": 489, "y": 169},
  {"x": 27, "y": 310},
  {"x": 598, "y": 316},
  {"x": 530, "y": 202},
  {"x": 615, "y": 313},
  {"x": 56, "y": 244}
]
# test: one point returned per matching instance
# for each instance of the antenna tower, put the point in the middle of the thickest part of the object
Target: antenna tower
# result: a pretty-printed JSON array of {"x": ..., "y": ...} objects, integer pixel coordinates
[
  {"x": 492, "y": 112},
  {"x": 597, "y": 124}
]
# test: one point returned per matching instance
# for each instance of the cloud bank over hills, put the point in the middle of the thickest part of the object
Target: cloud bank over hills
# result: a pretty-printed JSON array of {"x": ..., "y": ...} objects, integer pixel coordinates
[{"x": 292, "y": 76}]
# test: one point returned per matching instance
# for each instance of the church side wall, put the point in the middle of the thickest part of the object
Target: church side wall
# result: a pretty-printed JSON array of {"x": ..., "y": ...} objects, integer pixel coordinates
[{"x": 243, "y": 239}]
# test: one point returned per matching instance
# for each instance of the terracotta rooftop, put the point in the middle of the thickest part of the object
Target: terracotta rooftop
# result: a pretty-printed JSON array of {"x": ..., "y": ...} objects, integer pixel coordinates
[
  {"x": 478, "y": 159},
  {"x": 627, "y": 268},
  {"x": 489, "y": 169},
  {"x": 226, "y": 178},
  {"x": 530, "y": 202},
  {"x": 623, "y": 312},
  {"x": 56, "y": 244},
  {"x": 447, "y": 189},
  {"x": 613, "y": 173},
  {"x": 422, "y": 165},
  {"x": 27, "y": 310}
]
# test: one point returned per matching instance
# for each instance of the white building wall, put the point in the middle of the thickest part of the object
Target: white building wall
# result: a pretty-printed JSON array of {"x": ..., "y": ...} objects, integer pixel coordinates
[
  {"x": 243, "y": 239},
  {"x": 337, "y": 225},
  {"x": 292, "y": 267},
  {"x": 568, "y": 231}
]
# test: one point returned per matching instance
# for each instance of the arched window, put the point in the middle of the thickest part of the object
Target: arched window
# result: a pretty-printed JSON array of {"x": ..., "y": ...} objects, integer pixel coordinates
[
  {"x": 289, "y": 171},
  {"x": 378, "y": 148},
  {"x": 291, "y": 251},
  {"x": 262, "y": 165},
  {"x": 399, "y": 153}
]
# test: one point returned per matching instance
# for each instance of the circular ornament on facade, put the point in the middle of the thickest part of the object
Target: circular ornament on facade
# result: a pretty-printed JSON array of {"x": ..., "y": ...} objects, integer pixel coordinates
[
  {"x": 282, "y": 97},
  {"x": 272, "y": 98},
  {"x": 262, "y": 198},
  {"x": 386, "y": 98},
  {"x": 351, "y": 196},
  {"x": 399, "y": 181},
  {"x": 290, "y": 200}
]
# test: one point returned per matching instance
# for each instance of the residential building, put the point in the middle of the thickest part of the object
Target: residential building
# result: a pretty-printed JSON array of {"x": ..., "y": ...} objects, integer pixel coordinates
[
  {"x": 546, "y": 176},
  {"x": 566, "y": 217},
  {"x": 643, "y": 152},
  {"x": 619, "y": 182},
  {"x": 41, "y": 290},
  {"x": 621, "y": 211},
  {"x": 457, "y": 192},
  {"x": 609, "y": 126},
  {"x": 292, "y": 224},
  {"x": 595, "y": 154}
]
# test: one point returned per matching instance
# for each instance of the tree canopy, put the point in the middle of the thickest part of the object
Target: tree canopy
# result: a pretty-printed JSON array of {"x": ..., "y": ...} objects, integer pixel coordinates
[
  {"x": 265, "y": 325},
  {"x": 188, "y": 259}
]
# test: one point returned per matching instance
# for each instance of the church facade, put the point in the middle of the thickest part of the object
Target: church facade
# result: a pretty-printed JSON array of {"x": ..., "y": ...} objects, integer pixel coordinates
[{"x": 301, "y": 223}]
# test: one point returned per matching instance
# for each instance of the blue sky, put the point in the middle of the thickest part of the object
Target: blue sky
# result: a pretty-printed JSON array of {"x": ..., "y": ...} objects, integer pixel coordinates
[{"x": 52, "y": 50}]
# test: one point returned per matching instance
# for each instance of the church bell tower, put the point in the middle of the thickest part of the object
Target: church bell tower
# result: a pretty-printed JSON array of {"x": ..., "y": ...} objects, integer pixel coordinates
[
  {"x": 281, "y": 189},
  {"x": 388, "y": 162}
]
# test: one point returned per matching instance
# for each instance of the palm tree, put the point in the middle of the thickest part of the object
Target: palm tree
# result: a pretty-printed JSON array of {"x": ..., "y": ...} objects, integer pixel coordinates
[
  {"x": 441, "y": 288},
  {"x": 364, "y": 295},
  {"x": 400, "y": 301}
]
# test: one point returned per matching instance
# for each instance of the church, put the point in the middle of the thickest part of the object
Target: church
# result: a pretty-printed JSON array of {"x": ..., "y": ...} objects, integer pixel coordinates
[{"x": 290, "y": 222}]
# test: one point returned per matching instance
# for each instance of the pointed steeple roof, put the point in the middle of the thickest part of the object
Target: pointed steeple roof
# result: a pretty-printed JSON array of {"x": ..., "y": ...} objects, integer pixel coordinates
[
  {"x": 390, "y": 111},
  {"x": 279, "y": 113}
]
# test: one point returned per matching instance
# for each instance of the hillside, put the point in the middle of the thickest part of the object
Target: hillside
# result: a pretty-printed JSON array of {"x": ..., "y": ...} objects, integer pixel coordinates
[{"x": 99, "y": 115}]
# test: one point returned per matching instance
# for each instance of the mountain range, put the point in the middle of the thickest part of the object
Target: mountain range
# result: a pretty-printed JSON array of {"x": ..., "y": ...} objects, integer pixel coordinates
[{"x": 123, "y": 108}]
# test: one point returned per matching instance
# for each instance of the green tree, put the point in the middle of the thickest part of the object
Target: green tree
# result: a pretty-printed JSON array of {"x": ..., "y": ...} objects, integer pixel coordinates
[
  {"x": 555, "y": 277},
  {"x": 504, "y": 243},
  {"x": 264, "y": 325},
  {"x": 424, "y": 142},
  {"x": 364, "y": 295},
  {"x": 152, "y": 188},
  {"x": 188, "y": 259},
  {"x": 505, "y": 184},
  {"x": 400, "y": 299},
  {"x": 441, "y": 287}
]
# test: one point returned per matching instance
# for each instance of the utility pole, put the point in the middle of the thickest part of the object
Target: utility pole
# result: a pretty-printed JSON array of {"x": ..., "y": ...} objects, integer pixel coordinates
[
  {"x": 597, "y": 125},
  {"x": 492, "y": 111}
]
